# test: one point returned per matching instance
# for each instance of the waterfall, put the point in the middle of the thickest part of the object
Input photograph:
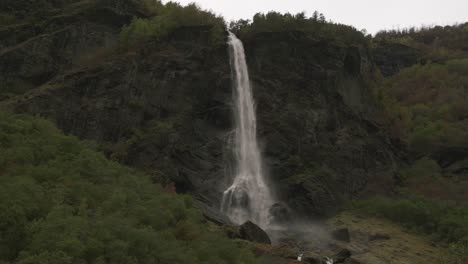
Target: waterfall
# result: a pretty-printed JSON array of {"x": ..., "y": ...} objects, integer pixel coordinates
[{"x": 248, "y": 198}]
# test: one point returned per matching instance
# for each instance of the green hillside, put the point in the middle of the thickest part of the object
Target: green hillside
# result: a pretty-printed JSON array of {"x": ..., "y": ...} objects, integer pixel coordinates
[{"x": 61, "y": 202}]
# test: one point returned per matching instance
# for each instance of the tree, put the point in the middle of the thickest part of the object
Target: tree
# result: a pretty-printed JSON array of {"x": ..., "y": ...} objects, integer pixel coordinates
[
  {"x": 315, "y": 15},
  {"x": 322, "y": 18}
]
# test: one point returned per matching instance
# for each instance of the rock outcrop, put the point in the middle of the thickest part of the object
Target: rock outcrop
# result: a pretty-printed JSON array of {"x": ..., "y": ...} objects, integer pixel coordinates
[
  {"x": 317, "y": 118},
  {"x": 67, "y": 37},
  {"x": 252, "y": 232},
  {"x": 392, "y": 57}
]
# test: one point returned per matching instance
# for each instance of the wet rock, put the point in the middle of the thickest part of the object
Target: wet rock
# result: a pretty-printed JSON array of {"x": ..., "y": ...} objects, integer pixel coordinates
[
  {"x": 252, "y": 232},
  {"x": 212, "y": 214},
  {"x": 240, "y": 197},
  {"x": 341, "y": 234},
  {"x": 342, "y": 256},
  {"x": 378, "y": 236},
  {"x": 279, "y": 213}
]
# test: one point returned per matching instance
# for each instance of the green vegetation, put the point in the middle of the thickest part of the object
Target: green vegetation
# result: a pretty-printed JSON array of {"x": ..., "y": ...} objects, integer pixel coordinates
[
  {"x": 61, "y": 202},
  {"x": 445, "y": 221},
  {"x": 437, "y": 43},
  {"x": 169, "y": 17},
  {"x": 428, "y": 105},
  {"x": 316, "y": 24}
]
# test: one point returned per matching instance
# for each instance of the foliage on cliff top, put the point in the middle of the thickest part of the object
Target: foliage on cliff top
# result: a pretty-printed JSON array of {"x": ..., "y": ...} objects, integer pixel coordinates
[
  {"x": 62, "y": 202},
  {"x": 316, "y": 25},
  {"x": 169, "y": 17}
]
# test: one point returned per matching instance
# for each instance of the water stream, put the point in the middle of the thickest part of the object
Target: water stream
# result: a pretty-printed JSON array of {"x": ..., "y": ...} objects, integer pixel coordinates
[{"x": 249, "y": 197}]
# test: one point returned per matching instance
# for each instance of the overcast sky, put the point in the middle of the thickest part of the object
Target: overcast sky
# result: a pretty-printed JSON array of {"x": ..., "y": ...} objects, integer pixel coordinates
[{"x": 372, "y": 15}]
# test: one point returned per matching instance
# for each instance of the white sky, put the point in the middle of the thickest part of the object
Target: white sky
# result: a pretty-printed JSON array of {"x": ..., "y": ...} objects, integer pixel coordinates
[{"x": 373, "y": 15}]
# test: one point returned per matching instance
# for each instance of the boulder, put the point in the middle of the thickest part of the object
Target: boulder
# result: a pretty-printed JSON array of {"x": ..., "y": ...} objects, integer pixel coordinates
[
  {"x": 341, "y": 234},
  {"x": 252, "y": 232}
]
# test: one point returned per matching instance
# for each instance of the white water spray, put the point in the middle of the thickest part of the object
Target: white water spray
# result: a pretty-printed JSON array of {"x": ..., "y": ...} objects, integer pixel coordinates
[{"x": 248, "y": 198}]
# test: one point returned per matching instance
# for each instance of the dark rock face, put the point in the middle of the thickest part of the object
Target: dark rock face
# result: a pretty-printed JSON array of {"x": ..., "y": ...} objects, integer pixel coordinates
[
  {"x": 341, "y": 234},
  {"x": 251, "y": 232},
  {"x": 33, "y": 54},
  {"x": 166, "y": 107},
  {"x": 392, "y": 57},
  {"x": 316, "y": 119},
  {"x": 177, "y": 100}
]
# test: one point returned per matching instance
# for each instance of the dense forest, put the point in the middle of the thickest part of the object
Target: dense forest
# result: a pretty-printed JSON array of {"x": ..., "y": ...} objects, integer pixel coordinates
[
  {"x": 114, "y": 115},
  {"x": 63, "y": 202}
]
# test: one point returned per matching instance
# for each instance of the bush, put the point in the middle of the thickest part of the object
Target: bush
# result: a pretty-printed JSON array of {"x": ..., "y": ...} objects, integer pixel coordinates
[{"x": 61, "y": 202}]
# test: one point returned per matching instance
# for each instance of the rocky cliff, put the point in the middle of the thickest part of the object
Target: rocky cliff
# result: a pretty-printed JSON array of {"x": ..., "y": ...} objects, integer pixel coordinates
[{"x": 165, "y": 106}]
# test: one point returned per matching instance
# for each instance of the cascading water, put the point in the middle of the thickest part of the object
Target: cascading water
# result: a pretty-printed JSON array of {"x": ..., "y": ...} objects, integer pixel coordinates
[{"x": 248, "y": 198}]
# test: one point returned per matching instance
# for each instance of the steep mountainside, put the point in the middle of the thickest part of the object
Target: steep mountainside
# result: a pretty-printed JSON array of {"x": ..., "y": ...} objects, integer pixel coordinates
[
  {"x": 376, "y": 126},
  {"x": 165, "y": 106}
]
